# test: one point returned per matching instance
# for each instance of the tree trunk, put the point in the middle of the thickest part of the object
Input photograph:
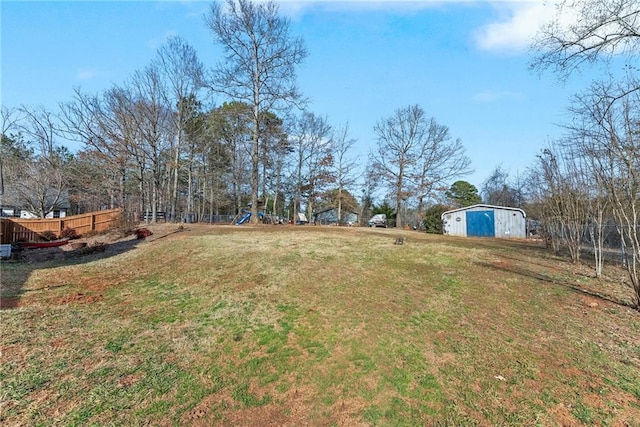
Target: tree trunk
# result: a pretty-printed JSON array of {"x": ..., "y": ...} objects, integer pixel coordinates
[
  {"x": 339, "y": 205},
  {"x": 399, "y": 196},
  {"x": 254, "y": 175},
  {"x": 255, "y": 149},
  {"x": 174, "y": 194},
  {"x": 122, "y": 186}
]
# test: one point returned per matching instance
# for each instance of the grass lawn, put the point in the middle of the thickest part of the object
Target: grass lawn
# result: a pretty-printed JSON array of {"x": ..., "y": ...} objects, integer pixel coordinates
[{"x": 318, "y": 326}]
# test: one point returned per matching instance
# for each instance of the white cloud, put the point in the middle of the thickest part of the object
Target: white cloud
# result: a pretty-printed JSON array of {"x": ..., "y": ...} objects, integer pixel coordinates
[{"x": 519, "y": 24}]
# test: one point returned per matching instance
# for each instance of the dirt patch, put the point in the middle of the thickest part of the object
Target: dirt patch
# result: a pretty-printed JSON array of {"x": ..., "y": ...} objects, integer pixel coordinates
[
  {"x": 111, "y": 241},
  {"x": 270, "y": 415},
  {"x": 129, "y": 380},
  {"x": 78, "y": 298},
  {"x": 563, "y": 417},
  {"x": 9, "y": 302}
]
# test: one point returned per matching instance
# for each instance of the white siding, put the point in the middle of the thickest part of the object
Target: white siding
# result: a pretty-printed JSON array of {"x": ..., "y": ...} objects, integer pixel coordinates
[
  {"x": 510, "y": 223},
  {"x": 455, "y": 223}
]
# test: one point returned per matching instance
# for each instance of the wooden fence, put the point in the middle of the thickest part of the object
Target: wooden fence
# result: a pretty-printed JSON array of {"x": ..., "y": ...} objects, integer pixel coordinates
[{"x": 25, "y": 230}]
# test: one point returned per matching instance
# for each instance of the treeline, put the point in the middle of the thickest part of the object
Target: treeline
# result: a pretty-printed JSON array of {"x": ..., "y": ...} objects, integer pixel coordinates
[
  {"x": 588, "y": 183},
  {"x": 133, "y": 158},
  {"x": 157, "y": 143}
]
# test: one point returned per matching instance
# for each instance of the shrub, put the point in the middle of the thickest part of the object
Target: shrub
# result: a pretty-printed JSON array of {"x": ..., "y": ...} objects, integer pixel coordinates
[
  {"x": 124, "y": 225},
  {"x": 141, "y": 233},
  {"x": 48, "y": 235},
  {"x": 90, "y": 233},
  {"x": 69, "y": 233},
  {"x": 432, "y": 221}
]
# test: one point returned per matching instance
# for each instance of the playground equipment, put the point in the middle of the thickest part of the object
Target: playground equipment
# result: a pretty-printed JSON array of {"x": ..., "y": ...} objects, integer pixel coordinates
[{"x": 246, "y": 216}]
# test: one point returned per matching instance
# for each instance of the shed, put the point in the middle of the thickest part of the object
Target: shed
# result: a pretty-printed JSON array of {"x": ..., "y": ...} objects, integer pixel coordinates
[{"x": 485, "y": 221}]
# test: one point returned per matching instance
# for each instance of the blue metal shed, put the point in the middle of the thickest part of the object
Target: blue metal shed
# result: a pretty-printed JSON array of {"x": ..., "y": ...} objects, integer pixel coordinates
[{"x": 485, "y": 221}]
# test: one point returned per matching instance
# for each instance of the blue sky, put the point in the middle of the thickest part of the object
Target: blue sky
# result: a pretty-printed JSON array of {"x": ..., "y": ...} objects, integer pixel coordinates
[{"x": 464, "y": 62}]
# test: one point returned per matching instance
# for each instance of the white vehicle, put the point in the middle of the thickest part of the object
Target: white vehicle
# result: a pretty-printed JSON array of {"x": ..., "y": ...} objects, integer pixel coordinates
[{"x": 378, "y": 220}]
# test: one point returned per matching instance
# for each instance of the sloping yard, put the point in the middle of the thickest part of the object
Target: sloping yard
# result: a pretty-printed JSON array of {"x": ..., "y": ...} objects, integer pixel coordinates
[{"x": 317, "y": 326}]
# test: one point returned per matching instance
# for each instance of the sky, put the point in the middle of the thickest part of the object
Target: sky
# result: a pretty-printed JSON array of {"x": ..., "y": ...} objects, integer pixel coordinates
[{"x": 466, "y": 63}]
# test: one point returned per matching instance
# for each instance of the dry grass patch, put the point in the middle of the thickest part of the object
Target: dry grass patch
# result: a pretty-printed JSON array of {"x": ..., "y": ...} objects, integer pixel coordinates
[{"x": 317, "y": 326}]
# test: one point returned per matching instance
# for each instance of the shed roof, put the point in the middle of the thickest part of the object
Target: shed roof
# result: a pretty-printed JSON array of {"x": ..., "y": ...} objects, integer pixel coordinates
[{"x": 481, "y": 205}]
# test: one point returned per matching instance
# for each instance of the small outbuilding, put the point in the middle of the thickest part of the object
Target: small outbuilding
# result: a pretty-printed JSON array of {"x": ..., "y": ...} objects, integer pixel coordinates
[{"x": 485, "y": 221}]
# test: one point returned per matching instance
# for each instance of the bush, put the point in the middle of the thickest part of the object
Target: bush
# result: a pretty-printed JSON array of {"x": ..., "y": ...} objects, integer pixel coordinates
[
  {"x": 124, "y": 225},
  {"x": 48, "y": 235},
  {"x": 69, "y": 233},
  {"x": 432, "y": 221},
  {"x": 141, "y": 233}
]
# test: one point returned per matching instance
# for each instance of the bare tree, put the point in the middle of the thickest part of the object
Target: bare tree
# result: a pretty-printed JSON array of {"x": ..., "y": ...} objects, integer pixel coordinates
[
  {"x": 498, "y": 190},
  {"x": 343, "y": 166},
  {"x": 10, "y": 117},
  {"x": 311, "y": 144},
  {"x": 415, "y": 155},
  {"x": 596, "y": 201},
  {"x": 184, "y": 73},
  {"x": 43, "y": 187},
  {"x": 150, "y": 117},
  {"x": 623, "y": 176},
  {"x": 229, "y": 126},
  {"x": 587, "y": 31},
  {"x": 400, "y": 140},
  {"x": 260, "y": 66},
  {"x": 565, "y": 199},
  {"x": 40, "y": 126},
  {"x": 590, "y": 32},
  {"x": 441, "y": 160},
  {"x": 103, "y": 126},
  {"x": 599, "y": 213},
  {"x": 275, "y": 148},
  {"x": 600, "y": 30},
  {"x": 15, "y": 156},
  {"x": 612, "y": 147},
  {"x": 91, "y": 181}
]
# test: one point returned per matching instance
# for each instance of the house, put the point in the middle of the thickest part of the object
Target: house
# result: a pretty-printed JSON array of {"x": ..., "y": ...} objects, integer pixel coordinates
[
  {"x": 485, "y": 221},
  {"x": 11, "y": 205},
  {"x": 329, "y": 216}
]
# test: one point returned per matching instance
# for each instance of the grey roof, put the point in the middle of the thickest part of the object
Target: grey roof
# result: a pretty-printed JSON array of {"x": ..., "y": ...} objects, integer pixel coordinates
[
  {"x": 482, "y": 205},
  {"x": 11, "y": 198}
]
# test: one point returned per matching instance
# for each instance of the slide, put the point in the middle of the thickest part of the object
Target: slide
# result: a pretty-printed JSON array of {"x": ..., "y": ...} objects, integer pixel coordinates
[{"x": 244, "y": 218}]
